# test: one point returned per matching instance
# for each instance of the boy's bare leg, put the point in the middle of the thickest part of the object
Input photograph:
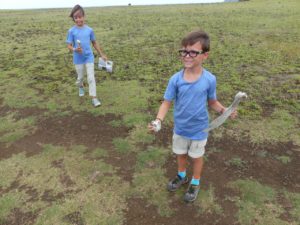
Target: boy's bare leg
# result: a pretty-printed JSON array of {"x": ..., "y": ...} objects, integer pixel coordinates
[
  {"x": 182, "y": 161},
  {"x": 197, "y": 167}
]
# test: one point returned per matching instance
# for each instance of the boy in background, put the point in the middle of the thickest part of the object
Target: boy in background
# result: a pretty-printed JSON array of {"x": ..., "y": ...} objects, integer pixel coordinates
[{"x": 78, "y": 41}]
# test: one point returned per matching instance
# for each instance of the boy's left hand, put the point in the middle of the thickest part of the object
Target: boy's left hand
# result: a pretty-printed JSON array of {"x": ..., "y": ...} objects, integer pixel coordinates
[
  {"x": 234, "y": 114},
  {"x": 104, "y": 57}
]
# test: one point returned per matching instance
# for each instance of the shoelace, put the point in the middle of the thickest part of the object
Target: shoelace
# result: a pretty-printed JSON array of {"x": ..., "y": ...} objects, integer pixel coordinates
[
  {"x": 191, "y": 189},
  {"x": 177, "y": 180}
]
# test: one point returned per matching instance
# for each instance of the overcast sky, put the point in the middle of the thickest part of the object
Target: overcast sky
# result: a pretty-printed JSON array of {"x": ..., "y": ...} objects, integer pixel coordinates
[{"x": 33, "y": 4}]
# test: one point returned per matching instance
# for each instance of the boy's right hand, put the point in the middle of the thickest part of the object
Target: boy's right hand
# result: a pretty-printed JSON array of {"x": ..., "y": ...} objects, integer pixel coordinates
[
  {"x": 78, "y": 50},
  {"x": 155, "y": 125}
]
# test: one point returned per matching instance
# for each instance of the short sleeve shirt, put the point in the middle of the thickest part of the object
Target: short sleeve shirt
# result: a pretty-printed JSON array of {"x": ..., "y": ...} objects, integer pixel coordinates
[
  {"x": 190, "y": 103},
  {"x": 85, "y": 35}
]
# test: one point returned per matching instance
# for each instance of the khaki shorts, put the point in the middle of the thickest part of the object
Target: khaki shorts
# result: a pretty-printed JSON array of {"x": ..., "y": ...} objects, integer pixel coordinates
[{"x": 194, "y": 148}]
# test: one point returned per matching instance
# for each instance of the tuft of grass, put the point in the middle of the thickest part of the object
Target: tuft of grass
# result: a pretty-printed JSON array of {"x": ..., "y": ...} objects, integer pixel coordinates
[
  {"x": 284, "y": 159},
  {"x": 140, "y": 134},
  {"x": 237, "y": 162},
  {"x": 262, "y": 154},
  {"x": 153, "y": 157},
  {"x": 116, "y": 123},
  {"x": 134, "y": 119},
  {"x": 99, "y": 153},
  {"x": 122, "y": 145},
  {"x": 7, "y": 203},
  {"x": 206, "y": 202}
]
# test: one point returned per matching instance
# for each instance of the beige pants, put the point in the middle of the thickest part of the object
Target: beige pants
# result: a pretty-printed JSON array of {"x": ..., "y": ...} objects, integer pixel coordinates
[{"x": 80, "y": 69}]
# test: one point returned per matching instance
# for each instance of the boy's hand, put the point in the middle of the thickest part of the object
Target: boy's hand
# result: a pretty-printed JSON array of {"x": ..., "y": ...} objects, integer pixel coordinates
[
  {"x": 79, "y": 50},
  {"x": 104, "y": 57},
  {"x": 234, "y": 114},
  {"x": 155, "y": 125}
]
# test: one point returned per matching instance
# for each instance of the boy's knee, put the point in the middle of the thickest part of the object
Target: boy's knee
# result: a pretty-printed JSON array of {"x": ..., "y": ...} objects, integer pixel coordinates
[{"x": 91, "y": 80}]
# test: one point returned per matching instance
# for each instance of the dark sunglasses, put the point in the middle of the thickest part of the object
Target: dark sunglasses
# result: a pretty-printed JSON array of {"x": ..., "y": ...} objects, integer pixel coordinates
[{"x": 192, "y": 53}]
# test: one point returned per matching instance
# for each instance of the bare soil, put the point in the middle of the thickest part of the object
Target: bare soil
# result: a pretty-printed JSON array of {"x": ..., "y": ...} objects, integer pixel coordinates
[{"x": 96, "y": 132}]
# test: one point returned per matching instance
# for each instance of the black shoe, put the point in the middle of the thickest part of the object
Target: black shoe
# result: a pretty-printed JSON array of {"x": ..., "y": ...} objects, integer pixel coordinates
[
  {"x": 176, "y": 183},
  {"x": 191, "y": 193}
]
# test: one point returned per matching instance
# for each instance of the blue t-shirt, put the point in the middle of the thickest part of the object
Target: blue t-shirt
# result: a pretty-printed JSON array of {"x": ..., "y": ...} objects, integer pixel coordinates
[
  {"x": 190, "y": 106},
  {"x": 85, "y": 35}
]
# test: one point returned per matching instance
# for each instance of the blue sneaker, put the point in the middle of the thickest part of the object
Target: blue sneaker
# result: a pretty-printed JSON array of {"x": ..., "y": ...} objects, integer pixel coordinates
[
  {"x": 96, "y": 102},
  {"x": 81, "y": 91}
]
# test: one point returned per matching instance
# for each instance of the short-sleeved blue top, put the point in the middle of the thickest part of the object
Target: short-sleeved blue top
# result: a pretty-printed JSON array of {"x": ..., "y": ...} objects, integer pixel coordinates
[
  {"x": 85, "y": 35},
  {"x": 190, "y": 103}
]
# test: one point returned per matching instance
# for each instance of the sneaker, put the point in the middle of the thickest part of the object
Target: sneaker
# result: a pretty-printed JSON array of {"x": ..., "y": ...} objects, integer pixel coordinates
[
  {"x": 191, "y": 193},
  {"x": 96, "y": 102},
  {"x": 81, "y": 91},
  {"x": 176, "y": 183}
]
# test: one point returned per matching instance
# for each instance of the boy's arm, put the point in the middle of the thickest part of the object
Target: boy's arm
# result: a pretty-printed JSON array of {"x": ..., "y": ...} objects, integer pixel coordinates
[
  {"x": 99, "y": 51},
  {"x": 70, "y": 47},
  {"x": 162, "y": 112},
  {"x": 218, "y": 107}
]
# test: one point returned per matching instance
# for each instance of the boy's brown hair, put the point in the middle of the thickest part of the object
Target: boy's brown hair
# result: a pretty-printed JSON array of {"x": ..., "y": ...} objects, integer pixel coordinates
[
  {"x": 75, "y": 9},
  {"x": 197, "y": 36}
]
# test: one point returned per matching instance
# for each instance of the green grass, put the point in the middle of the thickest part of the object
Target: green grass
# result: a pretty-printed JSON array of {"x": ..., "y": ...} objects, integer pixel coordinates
[
  {"x": 257, "y": 204},
  {"x": 206, "y": 202},
  {"x": 48, "y": 171},
  {"x": 99, "y": 153},
  {"x": 122, "y": 145},
  {"x": 281, "y": 126},
  {"x": 237, "y": 162},
  {"x": 140, "y": 134},
  {"x": 253, "y": 49},
  {"x": 149, "y": 181},
  {"x": 294, "y": 198},
  {"x": 284, "y": 159},
  {"x": 148, "y": 184},
  {"x": 256, "y": 54},
  {"x": 12, "y": 129},
  {"x": 7, "y": 203},
  {"x": 152, "y": 157}
]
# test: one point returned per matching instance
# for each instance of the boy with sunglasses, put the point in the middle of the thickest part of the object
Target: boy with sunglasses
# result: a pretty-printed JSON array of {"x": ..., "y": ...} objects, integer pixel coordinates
[{"x": 192, "y": 89}]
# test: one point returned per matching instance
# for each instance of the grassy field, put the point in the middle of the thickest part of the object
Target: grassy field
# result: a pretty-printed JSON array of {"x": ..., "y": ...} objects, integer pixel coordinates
[{"x": 64, "y": 162}]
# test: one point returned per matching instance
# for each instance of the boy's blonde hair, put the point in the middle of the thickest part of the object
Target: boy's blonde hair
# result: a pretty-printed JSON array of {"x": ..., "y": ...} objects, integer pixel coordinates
[{"x": 197, "y": 36}]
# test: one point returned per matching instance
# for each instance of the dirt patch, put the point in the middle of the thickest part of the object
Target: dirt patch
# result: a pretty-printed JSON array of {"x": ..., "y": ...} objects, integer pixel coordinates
[
  {"x": 267, "y": 169},
  {"x": 78, "y": 129},
  {"x": 96, "y": 132},
  {"x": 142, "y": 213},
  {"x": 17, "y": 217},
  {"x": 287, "y": 205},
  {"x": 124, "y": 163},
  {"x": 74, "y": 218}
]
